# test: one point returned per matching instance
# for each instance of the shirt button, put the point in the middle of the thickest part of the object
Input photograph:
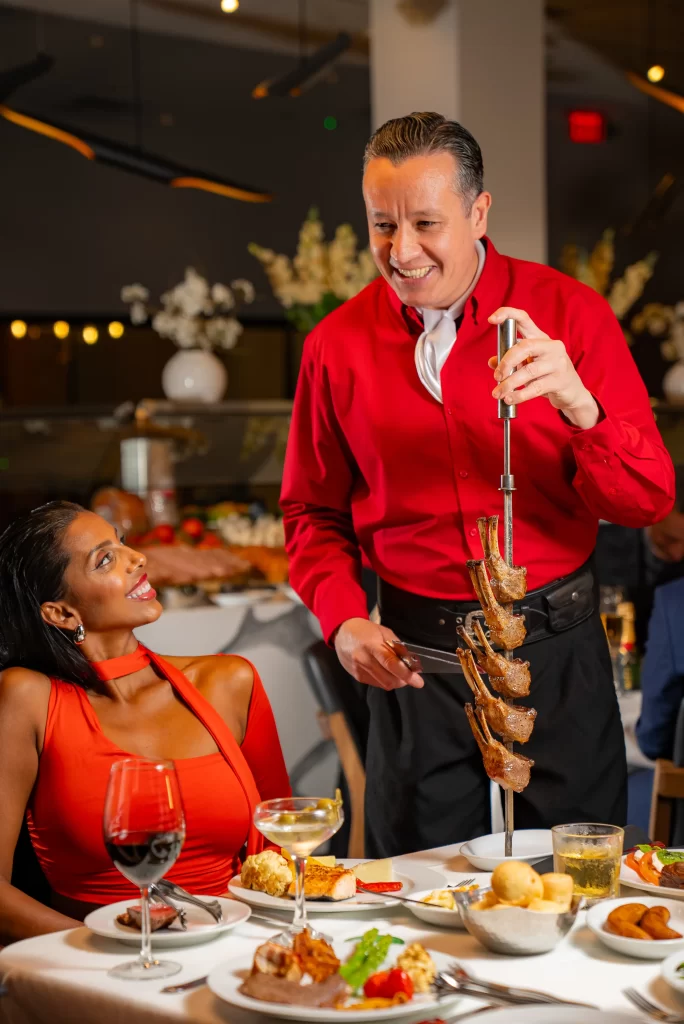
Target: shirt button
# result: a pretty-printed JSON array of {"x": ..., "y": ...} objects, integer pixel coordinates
[
  {"x": 472, "y": 531},
  {"x": 612, "y": 490},
  {"x": 464, "y": 474}
]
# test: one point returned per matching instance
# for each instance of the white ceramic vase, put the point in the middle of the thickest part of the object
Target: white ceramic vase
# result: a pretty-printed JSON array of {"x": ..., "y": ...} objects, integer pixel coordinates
[
  {"x": 673, "y": 383},
  {"x": 193, "y": 375}
]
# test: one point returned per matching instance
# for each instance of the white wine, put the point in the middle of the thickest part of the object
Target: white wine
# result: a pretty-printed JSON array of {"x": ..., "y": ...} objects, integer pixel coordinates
[{"x": 595, "y": 873}]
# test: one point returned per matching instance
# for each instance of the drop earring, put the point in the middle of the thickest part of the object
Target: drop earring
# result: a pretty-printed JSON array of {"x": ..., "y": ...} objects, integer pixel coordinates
[{"x": 79, "y": 634}]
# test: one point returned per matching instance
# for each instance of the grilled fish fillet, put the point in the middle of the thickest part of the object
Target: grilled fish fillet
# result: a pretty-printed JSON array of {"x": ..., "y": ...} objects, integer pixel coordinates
[{"x": 324, "y": 883}]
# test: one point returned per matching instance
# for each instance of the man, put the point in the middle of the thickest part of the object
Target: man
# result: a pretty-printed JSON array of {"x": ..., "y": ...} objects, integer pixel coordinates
[{"x": 395, "y": 450}]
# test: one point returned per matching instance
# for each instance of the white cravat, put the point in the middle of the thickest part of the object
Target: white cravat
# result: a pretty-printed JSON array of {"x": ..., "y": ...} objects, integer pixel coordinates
[{"x": 437, "y": 340}]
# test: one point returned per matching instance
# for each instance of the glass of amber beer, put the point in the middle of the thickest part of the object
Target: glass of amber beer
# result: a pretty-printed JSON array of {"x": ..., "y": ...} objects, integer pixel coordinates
[{"x": 590, "y": 854}]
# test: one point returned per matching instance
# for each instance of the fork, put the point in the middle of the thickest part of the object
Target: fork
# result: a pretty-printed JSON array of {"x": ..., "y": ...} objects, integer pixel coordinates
[
  {"x": 404, "y": 899},
  {"x": 491, "y": 988},
  {"x": 649, "y": 1008},
  {"x": 166, "y": 888}
]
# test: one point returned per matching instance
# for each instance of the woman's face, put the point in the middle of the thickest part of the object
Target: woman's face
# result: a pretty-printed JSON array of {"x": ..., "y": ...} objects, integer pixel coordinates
[{"x": 106, "y": 581}]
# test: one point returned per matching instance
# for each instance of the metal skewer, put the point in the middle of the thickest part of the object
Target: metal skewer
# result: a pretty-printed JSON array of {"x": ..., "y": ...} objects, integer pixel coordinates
[{"x": 507, "y": 337}]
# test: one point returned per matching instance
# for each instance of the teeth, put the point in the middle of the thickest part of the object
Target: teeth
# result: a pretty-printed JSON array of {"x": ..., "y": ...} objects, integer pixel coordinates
[
  {"x": 142, "y": 589},
  {"x": 421, "y": 272}
]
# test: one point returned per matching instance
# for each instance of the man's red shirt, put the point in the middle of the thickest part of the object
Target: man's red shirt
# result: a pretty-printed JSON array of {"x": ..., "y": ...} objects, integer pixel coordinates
[{"x": 376, "y": 465}]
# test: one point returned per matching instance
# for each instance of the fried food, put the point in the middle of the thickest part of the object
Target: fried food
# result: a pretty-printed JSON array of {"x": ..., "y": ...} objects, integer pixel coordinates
[
  {"x": 558, "y": 888},
  {"x": 545, "y": 906},
  {"x": 637, "y": 921},
  {"x": 511, "y": 771},
  {"x": 316, "y": 956},
  {"x": 654, "y": 923},
  {"x": 419, "y": 966},
  {"x": 517, "y": 883},
  {"x": 266, "y": 872},
  {"x": 506, "y": 629},
  {"x": 628, "y": 913},
  {"x": 509, "y": 678},
  {"x": 509, "y": 583},
  {"x": 513, "y": 724}
]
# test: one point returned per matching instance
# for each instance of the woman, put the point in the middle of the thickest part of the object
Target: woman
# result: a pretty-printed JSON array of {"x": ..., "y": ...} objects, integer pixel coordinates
[{"x": 78, "y": 694}]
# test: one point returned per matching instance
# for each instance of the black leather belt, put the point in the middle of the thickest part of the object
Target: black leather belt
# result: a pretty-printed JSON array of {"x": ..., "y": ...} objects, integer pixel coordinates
[{"x": 548, "y": 610}]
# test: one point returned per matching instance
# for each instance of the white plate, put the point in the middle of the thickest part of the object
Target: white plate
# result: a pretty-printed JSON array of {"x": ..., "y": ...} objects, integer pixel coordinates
[
  {"x": 201, "y": 927},
  {"x": 440, "y": 916},
  {"x": 411, "y": 878},
  {"x": 668, "y": 970},
  {"x": 629, "y": 877},
  {"x": 553, "y": 1014},
  {"x": 530, "y": 844},
  {"x": 641, "y": 948},
  {"x": 225, "y": 980}
]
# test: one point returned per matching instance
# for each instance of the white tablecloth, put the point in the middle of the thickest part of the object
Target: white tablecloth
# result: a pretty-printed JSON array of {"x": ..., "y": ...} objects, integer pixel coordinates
[{"x": 62, "y": 979}]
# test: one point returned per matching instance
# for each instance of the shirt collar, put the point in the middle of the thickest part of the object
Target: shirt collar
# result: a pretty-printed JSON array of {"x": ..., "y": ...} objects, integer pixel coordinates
[{"x": 484, "y": 299}]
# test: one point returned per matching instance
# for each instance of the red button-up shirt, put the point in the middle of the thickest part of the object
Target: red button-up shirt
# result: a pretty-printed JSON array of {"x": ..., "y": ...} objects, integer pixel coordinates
[{"x": 376, "y": 465}]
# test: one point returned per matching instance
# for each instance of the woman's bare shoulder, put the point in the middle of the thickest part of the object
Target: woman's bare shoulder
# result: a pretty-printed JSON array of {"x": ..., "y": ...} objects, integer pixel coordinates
[
  {"x": 24, "y": 695},
  {"x": 209, "y": 670}
]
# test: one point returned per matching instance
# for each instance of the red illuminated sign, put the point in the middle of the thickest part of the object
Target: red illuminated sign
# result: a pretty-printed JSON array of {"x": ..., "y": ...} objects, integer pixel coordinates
[{"x": 586, "y": 126}]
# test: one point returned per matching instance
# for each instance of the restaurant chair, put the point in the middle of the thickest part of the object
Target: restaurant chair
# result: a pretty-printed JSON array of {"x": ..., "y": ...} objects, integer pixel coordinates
[
  {"x": 667, "y": 802},
  {"x": 344, "y": 717}
]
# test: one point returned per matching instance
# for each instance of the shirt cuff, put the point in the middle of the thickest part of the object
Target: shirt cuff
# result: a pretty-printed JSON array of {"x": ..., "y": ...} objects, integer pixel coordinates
[
  {"x": 604, "y": 438},
  {"x": 336, "y": 601}
]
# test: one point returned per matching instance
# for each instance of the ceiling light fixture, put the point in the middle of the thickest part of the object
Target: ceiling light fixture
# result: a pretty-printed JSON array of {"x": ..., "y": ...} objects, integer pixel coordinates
[
  {"x": 229, "y": 6},
  {"x": 655, "y": 73},
  {"x": 107, "y": 151},
  {"x": 308, "y": 68}
]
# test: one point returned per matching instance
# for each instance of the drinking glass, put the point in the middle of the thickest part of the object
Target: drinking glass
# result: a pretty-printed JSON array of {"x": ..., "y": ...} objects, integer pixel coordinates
[
  {"x": 299, "y": 824},
  {"x": 590, "y": 853},
  {"x": 144, "y": 830}
]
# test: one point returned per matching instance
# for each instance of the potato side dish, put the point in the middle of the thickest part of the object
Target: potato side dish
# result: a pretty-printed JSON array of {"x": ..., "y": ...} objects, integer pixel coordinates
[{"x": 516, "y": 884}]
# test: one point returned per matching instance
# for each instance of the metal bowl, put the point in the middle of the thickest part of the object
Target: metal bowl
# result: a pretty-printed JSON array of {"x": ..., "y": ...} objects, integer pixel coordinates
[{"x": 514, "y": 930}]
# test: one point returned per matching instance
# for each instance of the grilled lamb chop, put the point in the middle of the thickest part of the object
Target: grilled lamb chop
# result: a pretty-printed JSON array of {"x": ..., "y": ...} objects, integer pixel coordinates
[
  {"x": 511, "y": 771},
  {"x": 509, "y": 583},
  {"x": 513, "y": 724},
  {"x": 506, "y": 629},
  {"x": 509, "y": 678}
]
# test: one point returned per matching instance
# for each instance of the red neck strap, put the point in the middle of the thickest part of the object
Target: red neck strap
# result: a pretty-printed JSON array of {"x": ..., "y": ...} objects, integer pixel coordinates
[{"x": 114, "y": 668}]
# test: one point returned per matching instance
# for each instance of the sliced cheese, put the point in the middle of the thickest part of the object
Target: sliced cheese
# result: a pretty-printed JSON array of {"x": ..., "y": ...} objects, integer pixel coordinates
[
  {"x": 375, "y": 871},
  {"x": 328, "y": 862}
]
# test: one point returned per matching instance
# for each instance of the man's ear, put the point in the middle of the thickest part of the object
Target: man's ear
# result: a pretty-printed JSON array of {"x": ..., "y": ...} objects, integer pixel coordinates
[
  {"x": 56, "y": 613},
  {"x": 479, "y": 214}
]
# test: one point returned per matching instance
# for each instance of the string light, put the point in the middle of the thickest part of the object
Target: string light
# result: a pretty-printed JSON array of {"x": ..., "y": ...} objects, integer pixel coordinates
[
  {"x": 18, "y": 329},
  {"x": 229, "y": 6},
  {"x": 115, "y": 329},
  {"x": 656, "y": 73},
  {"x": 61, "y": 329},
  {"x": 90, "y": 335}
]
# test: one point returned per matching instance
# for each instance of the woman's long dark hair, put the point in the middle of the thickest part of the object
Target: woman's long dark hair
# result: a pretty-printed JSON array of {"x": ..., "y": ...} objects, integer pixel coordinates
[{"x": 33, "y": 562}]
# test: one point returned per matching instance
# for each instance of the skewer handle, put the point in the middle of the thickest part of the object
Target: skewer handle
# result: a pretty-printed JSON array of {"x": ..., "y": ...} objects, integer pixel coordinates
[{"x": 507, "y": 335}]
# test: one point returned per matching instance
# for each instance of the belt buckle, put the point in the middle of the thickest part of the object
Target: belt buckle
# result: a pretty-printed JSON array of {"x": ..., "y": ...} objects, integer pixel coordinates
[{"x": 470, "y": 616}]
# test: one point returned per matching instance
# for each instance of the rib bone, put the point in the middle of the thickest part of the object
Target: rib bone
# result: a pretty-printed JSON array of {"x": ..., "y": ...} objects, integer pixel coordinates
[
  {"x": 506, "y": 629},
  {"x": 509, "y": 678},
  {"x": 513, "y": 724},
  {"x": 511, "y": 771},
  {"x": 509, "y": 583}
]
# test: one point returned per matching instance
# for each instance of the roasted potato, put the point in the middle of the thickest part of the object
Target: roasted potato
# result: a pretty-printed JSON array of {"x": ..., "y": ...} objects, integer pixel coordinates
[{"x": 654, "y": 922}]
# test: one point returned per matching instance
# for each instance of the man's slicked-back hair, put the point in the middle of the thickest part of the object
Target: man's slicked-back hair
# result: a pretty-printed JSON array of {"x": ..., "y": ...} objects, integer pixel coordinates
[{"x": 421, "y": 133}]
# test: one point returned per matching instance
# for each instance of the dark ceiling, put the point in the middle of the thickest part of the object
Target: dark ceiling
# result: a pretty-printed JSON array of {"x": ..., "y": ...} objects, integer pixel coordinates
[{"x": 632, "y": 34}]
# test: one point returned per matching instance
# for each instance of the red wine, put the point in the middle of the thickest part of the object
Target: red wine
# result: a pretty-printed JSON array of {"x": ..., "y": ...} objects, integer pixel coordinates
[{"x": 144, "y": 857}]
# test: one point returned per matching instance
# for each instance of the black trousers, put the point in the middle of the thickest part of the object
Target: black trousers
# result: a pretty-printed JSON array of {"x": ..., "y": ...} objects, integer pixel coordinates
[{"x": 425, "y": 783}]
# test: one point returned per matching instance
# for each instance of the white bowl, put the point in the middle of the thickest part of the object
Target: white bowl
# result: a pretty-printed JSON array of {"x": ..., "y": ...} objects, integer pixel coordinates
[
  {"x": 658, "y": 949},
  {"x": 668, "y": 970},
  {"x": 440, "y": 916},
  {"x": 530, "y": 845}
]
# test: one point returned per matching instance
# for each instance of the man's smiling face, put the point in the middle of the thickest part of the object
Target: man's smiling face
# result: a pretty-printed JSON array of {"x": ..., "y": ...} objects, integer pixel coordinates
[{"x": 422, "y": 234}]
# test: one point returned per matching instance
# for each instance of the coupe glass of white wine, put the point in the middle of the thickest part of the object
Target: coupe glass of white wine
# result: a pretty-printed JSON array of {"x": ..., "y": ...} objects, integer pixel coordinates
[{"x": 299, "y": 825}]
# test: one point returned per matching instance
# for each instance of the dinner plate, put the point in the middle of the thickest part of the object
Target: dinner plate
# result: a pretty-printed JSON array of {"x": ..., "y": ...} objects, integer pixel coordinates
[
  {"x": 441, "y": 916},
  {"x": 531, "y": 845},
  {"x": 412, "y": 880},
  {"x": 628, "y": 876},
  {"x": 641, "y": 948},
  {"x": 200, "y": 926},
  {"x": 668, "y": 970},
  {"x": 552, "y": 1014},
  {"x": 225, "y": 980}
]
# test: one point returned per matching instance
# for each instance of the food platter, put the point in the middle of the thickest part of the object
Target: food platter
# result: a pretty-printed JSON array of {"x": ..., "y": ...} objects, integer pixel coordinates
[
  {"x": 657, "y": 950},
  {"x": 226, "y": 979},
  {"x": 628, "y": 876},
  {"x": 412, "y": 879},
  {"x": 200, "y": 926}
]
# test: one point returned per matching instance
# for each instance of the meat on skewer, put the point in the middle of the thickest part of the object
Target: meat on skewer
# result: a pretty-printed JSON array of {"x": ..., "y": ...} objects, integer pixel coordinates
[
  {"x": 506, "y": 629},
  {"x": 513, "y": 724},
  {"x": 511, "y": 771},
  {"x": 509, "y": 583},
  {"x": 509, "y": 678}
]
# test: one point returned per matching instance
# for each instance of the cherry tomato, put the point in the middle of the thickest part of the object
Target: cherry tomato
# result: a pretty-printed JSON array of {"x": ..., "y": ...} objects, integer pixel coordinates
[
  {"x": 164, "y": 533},
  {"x": 386, "y": 984},
  {"x": 210, "y": 540},
  {"x": 193, "y": 527}
]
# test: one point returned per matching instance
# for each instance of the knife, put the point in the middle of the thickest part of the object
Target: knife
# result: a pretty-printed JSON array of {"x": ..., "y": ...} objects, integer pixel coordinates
[{"x": 425, "y": 659}]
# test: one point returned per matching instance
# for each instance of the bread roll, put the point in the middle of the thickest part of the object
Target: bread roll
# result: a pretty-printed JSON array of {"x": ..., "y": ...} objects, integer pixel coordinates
[
  {"x": 558, "y": 888},
  {"x": 516, "y": 883}
]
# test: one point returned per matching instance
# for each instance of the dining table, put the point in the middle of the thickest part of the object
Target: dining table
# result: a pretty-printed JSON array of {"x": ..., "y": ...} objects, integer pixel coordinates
[{"x": 62, "y": 978}]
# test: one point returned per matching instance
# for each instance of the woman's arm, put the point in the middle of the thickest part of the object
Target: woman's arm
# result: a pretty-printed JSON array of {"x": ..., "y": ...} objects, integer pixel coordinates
[
  {"x": 261, "y": 746},
  {"x": 24, "y": 699}
]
